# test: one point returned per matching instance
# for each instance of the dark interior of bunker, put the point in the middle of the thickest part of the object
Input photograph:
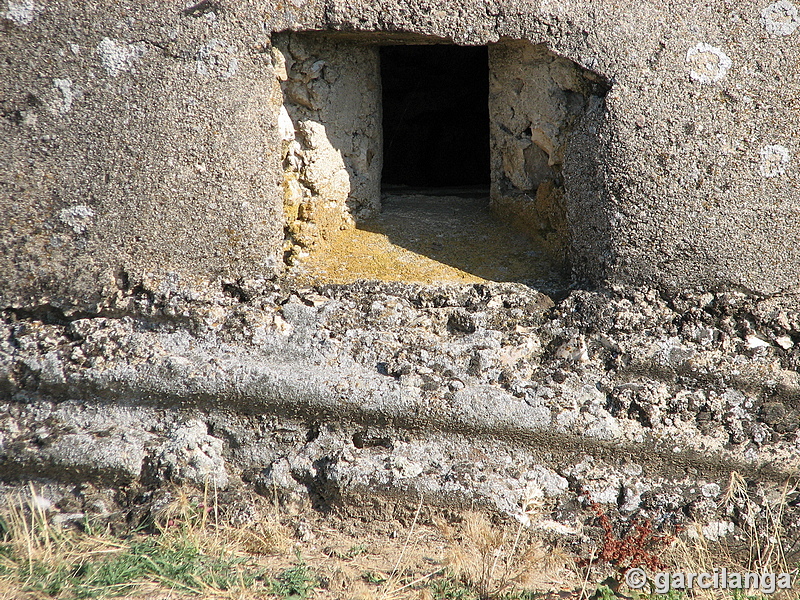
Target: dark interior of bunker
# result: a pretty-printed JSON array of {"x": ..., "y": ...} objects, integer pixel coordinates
[{"x": 435, "y": 116}]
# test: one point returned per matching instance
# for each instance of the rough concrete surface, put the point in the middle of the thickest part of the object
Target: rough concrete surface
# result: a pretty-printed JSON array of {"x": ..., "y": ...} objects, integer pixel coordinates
[
  {"x": 155, "y": 127},
  {"x": 362, "y": 396},
  {"x": 136, "y": 138},
  {"x": 691, "y": 162},
  {"x": 151, "y": 157},
  {"x": 535, "y": 100},
  {"x": 332, "y": 160}
]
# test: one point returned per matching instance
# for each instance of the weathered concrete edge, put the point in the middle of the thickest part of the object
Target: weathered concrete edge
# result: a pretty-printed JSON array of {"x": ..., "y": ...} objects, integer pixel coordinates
[{"x": 301, "y": 391}]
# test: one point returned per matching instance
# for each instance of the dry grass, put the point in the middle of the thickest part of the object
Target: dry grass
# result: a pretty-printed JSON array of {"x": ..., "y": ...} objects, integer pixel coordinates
[
  {"x": 42, "y": 551},
  {"x": 762, "y": 525},
  {"x": 198, "y": 520},
  {"x": 192, "y": 554},
  {"x": 488, "y": 558},
  {"x": 208, "y": 557},
  {"x": 766, "y": 536},
  {"x": 495, "y": 559},
  {"x": 196, "y": 553}
]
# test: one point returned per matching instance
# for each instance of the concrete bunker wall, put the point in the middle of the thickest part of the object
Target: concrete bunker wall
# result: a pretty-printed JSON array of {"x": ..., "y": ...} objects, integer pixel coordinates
[
  {"x": 331, "y": 132},
  {"x": 333, "y": 149},
  {"x": 141, "y": 137},
  {"x": 136, "y": 146},
  {"x": 141, "y": 140}
]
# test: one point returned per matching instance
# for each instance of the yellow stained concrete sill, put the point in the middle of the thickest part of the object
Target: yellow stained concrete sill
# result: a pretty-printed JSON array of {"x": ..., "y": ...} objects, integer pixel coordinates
[{"x": 430, "y": 239}]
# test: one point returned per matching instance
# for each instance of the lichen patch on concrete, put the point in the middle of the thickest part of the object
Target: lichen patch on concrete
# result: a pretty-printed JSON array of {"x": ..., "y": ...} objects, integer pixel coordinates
[
  {"x": 774, "y": 159},
  {"x": 708, "y": 64},
  {"x": 65, "y": 87},
  {"x": 118, "y": 57},
  {"x": 21, "y": 12},
  {"x": 78, "y": 218},
  {"x": 780, "y": 18},
  {"x": 217, "y": 59}
]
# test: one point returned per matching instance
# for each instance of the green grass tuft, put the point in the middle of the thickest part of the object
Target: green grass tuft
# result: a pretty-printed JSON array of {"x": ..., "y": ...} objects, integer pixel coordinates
[
  {"x": 450, "y": 588},
  {"x": 295, "y": 583},
  {"x": 179, "y": 565}
]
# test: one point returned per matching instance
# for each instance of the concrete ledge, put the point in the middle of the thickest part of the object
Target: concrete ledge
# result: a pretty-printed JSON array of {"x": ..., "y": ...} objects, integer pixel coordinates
[{"x": 453, "y": 393}]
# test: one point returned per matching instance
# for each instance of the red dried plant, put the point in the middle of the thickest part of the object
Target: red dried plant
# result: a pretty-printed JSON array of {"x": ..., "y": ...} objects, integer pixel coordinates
[{"x": 635, "y": 549}]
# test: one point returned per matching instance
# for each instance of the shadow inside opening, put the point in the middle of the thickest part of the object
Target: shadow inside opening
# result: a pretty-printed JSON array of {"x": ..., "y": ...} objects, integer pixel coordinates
[{"x": 435, "y": 119}]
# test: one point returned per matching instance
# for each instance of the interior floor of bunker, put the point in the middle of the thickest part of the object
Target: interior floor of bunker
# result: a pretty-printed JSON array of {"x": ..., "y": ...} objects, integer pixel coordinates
[{"x": 452, "y": 237}]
